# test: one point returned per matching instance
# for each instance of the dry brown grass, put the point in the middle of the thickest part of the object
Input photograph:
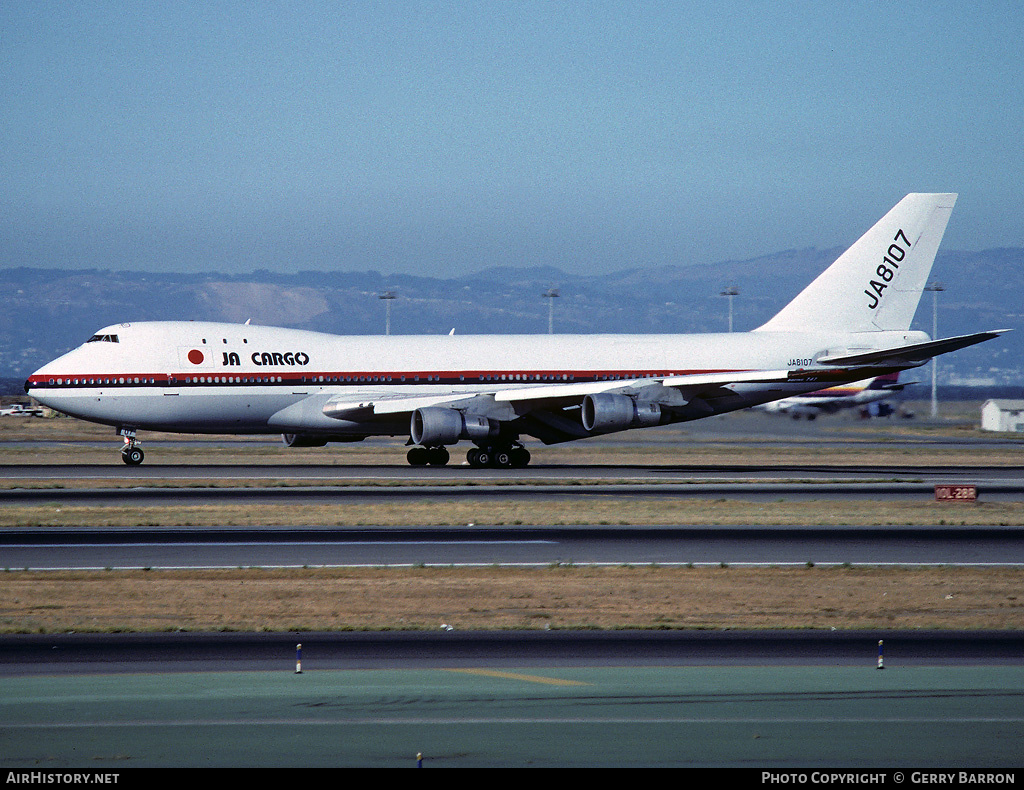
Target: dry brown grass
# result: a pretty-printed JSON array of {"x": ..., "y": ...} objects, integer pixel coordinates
[
  {"x": 500, "y": 512},
  {"x": 510, "y": 598}
]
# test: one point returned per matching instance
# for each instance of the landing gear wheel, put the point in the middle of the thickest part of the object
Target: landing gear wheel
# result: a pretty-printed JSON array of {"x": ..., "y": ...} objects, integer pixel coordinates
[
  {"x": 132, "y": 455},
  {"x": 520, "y": 457},
  {"x": 418, "y": 456},
  {"x": 421, "y": 456},
  {"x": 515, "y": 457}
]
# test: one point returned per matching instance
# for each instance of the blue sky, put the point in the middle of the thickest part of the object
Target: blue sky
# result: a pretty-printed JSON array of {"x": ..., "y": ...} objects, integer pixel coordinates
[{"x": 441, "y": 138}]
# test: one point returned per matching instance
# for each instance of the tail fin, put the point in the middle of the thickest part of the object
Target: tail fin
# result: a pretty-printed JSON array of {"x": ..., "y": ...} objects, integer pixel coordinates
[
  {"x": 886, "y": 382},
  {"x": 877, "y": 283}
]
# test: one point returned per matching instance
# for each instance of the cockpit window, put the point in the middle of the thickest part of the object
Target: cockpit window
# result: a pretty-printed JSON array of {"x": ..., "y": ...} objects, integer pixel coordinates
[{"x": 102, "y": 339}]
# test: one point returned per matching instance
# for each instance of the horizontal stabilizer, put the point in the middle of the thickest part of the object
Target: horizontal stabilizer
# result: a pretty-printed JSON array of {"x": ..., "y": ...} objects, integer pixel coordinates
[{"x": 912, "y": 355}]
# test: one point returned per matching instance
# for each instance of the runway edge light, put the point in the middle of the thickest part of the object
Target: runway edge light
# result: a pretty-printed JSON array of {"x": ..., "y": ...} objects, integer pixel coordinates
[{"x": 880, "y": 665}]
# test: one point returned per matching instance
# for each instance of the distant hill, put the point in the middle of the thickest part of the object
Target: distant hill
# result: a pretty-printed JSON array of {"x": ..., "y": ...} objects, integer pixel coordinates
[
  {"x": 12, "y": 387},
  {"x": 46, "y": 312}
]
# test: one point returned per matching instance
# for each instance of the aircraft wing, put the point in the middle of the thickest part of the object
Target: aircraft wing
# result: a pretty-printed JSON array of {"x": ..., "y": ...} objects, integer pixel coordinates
[
  {"x": 570, "y": 393},
  {"x": 388, "y": 405},
  {"x": 526, "y": 398},
  {"x": 546, "y": 409}
]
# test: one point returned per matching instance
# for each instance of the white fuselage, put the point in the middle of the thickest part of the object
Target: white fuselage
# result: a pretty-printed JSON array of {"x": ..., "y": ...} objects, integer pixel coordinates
[{"x": 209, "y": 377}]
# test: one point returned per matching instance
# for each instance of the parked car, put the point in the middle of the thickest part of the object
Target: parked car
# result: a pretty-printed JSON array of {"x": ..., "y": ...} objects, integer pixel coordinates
[{"x": 18, "y": 410}]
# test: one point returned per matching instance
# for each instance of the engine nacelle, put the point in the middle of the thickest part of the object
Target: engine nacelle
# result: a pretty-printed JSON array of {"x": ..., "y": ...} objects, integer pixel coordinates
[
  {"x": 433, "y": 426},
  {"x": 605, "y": 413},
  {"x": 303, "y": 440}
]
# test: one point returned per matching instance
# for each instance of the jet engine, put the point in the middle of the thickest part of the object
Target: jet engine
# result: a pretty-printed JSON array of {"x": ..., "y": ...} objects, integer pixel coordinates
[
  {"x": 433, "y": 426},
  {"x": 606, "y": 412}
]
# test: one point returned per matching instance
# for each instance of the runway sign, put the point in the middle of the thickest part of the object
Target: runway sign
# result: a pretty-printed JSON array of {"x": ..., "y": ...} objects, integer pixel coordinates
[{"x": 956, "y": 493}]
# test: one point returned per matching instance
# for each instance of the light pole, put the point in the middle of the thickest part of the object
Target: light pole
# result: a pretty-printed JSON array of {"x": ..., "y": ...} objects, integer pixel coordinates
[
  {"x": 551, "y": 294},
  {"x": 388, "y": 297},
  {"x": 731, "y": 291},
  {"x": 935, "y": 287}
]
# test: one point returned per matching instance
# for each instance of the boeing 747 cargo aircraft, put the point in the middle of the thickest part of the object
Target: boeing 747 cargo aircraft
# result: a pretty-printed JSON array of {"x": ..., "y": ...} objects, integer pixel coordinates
[{"x": 851, "y": 323}]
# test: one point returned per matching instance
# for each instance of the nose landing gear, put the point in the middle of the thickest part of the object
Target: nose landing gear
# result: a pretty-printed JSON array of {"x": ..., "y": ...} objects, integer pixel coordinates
[{"x": 131, "y": 453}]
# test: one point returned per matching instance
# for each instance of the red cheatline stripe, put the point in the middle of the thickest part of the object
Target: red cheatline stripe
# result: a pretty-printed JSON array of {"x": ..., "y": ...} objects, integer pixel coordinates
[{"x": 358, "y": 377}]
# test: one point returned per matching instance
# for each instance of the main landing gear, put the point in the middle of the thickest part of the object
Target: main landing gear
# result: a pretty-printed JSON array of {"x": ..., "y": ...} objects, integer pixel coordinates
[
  {"x": 131, "y": 453},
  {"x": 422, "y": 456},
  {"x": 500, "y": 456},
  {"x": 496, "y": 456}
]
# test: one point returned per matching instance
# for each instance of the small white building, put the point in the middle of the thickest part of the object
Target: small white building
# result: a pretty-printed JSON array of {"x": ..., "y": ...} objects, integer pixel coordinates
[{"x": 1002, "y": 415}]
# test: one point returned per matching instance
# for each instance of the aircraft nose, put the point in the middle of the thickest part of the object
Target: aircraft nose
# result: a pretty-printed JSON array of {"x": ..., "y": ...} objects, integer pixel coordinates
[{"x": 36, "y": 377}]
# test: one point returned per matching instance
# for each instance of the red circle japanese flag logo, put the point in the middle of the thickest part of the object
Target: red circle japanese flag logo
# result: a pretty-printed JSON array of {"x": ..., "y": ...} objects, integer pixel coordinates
[{"x": 195, "y": 356}]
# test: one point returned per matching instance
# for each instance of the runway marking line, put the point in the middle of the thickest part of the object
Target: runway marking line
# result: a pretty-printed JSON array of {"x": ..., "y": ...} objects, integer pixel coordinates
[{"x": 493, "y": 673}]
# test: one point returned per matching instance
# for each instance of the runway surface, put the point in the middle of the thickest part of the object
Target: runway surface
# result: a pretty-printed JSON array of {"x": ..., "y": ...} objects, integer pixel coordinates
[
  {"x": 529, "y": 700},
  {"x": 827, "y": 720},
  {"x": 211, "y": 547},
  {"x": 400, "y": 472},
  {"x": 54, "y": 654},
  {"x": 256, "y": 485}
]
